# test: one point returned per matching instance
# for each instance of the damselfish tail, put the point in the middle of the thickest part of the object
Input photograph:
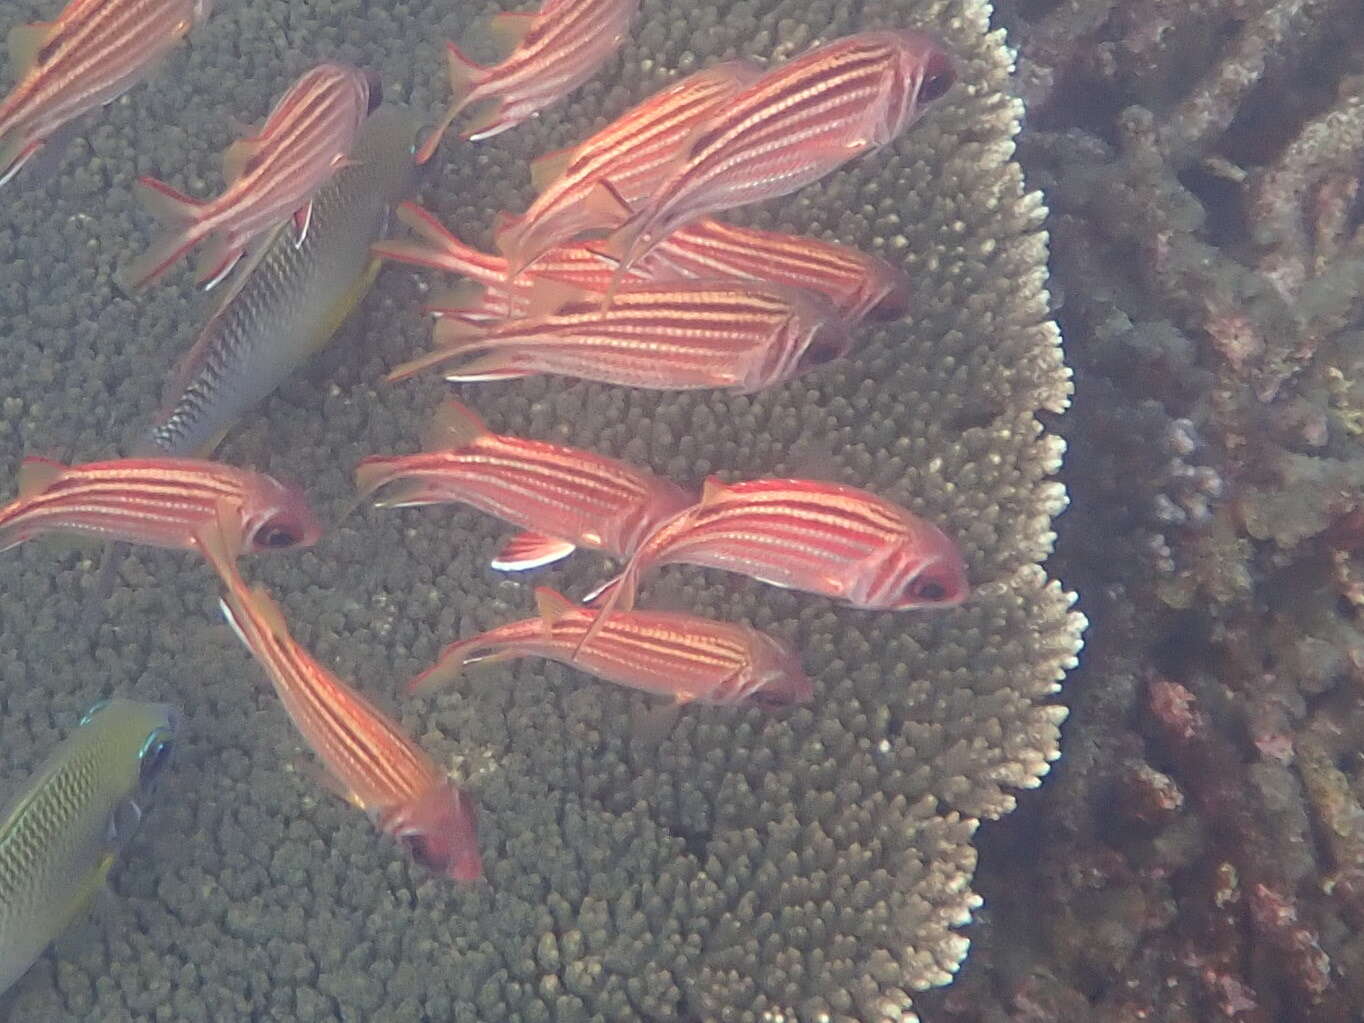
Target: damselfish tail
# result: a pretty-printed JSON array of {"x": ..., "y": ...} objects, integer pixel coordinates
[{"x": 181, "y": 214}]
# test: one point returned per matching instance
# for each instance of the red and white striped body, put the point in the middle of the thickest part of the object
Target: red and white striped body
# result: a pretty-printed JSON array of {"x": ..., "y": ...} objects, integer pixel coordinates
[
  {"x": 633, "y": 153},
  {"x": 557, "y": 49},
  {"x": 496, "y": 297},
  {"x": 794, "y": 125},
  {"x": 158, "y": 502},
  {"x": 565, "y": 497},
  {"x": 825, "y": 538},
  {"x": 680, "y": 656},
  {"x": 271, "y": 177},
  {"x": 683, "y": 335},
  {"x": 376, "y": 766},
  {"x": 90, "y": 55},
  {"x": 854, "y": 283}
]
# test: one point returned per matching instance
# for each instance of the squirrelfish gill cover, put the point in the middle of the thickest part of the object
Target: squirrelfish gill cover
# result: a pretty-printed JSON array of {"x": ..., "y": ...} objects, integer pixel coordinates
[
  {"x": 632, "y": 152},
  {"x": 680, "y": 335},
  {"x": 554, "y": 50},
  {"x": 665, "y": 653},
  {"x": 62, "y": 830},
  {"x": 270, "y": 176},
  {"x": 89, "y": 56},
  {"x": 565, "y": 497},
  {"x": 827, "y": 538},
  {"x": 177, "y": 503},
  {"x": 371, "y": 762},
  {"x": 289, "y": 299},
  {"x": 792, "y": 126}
]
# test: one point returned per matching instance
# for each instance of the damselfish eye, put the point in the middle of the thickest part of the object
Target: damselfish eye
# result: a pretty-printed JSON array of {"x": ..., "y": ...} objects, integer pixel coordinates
[
  {"x": 770, "y": 699},
  {"x": 156, "y": 752},
  {"x": 939, "y": 76}
]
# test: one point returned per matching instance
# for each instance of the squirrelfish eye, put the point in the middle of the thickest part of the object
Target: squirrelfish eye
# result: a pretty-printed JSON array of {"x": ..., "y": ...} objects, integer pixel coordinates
[
  {"x": 939, "y": 76},
  {"x": 94, "y": 709},
  {"x": 421, "y": 850},
  {"x": 927, "y": 589},
  {"x": 277, "y": 535},
  {"x": 156, "y": 752}
]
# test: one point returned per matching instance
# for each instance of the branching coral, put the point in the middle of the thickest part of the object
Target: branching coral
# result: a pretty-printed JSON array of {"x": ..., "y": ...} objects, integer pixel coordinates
[{"x": 815, "y": 865}]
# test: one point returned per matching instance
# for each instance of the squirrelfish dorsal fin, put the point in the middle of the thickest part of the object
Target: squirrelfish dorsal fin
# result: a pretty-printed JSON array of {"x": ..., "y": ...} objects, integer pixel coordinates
[
  {"x": 26, "y": 42},
  {"x": 712, "y": 489},
  {"x": 454, "y": 425},
  {"x": 37, "y": 473},
  {"x": 545, "y": 169},
  {"x": 552, "y": 605}
]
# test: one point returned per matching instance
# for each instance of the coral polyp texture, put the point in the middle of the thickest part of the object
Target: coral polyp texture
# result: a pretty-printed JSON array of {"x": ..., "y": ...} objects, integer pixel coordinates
[{"x": 810, "y": 865}]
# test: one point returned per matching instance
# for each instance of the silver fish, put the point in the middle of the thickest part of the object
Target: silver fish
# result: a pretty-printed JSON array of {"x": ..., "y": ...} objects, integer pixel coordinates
[
  {"x": 288, "y": 299},
  {"x": 62, "y": 831}
]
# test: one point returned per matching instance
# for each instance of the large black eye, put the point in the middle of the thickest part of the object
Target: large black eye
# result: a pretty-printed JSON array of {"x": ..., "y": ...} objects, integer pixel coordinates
[
  {"x": 927, "y": 589},
  {"x": 420, "y": 849},
  {"x": 376, "y": 90},
  {"x": 770, "y": 699},
  {"x": 276, "y": 536},
  {"x": 156, "y": 754},
  {"x": 939, "y": 76}
]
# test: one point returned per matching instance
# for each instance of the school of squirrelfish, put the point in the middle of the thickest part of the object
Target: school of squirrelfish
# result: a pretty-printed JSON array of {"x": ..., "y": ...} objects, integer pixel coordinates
[{"x": 617, "y": 272}]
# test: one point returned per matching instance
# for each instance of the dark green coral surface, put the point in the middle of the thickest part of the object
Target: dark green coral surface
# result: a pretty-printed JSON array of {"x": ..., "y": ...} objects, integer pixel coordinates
[{"x": 811, "y": 865}]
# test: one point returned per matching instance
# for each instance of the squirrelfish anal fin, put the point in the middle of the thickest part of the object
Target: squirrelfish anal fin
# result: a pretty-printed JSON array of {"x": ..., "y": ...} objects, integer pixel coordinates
[
  {"x": 529, "y": 550},
  {"x": 31, "y": 45}
]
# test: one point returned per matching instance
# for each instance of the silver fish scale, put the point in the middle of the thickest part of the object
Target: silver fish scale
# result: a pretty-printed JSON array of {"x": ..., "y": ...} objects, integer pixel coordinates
[{"x": 283, "y": 303}]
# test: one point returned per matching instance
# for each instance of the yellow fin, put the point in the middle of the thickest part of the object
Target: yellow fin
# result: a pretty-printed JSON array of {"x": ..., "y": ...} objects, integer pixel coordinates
[
  {"x": 454, "y": 425},
  {"x": 509, "y": 28},
  {"x": 36, "y": 474},
  {"x": 236, "y": 157},
  {"x": 458, "y": 298},
  {"x": 26, "y": 43},
  {"x": 488, "y": 114},
  {"x": 269, "y": 611},
  {"x": 545, "y": 169},
  {"x": 552, "y": 605}
]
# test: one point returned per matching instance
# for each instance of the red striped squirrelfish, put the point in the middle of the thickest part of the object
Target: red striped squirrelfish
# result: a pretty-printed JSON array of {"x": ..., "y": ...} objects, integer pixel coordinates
[
  {"x": 667, "y": 653},
  {"x": 632, "y": 152},
  {"x": 487, "y": 294},
  {"x": 681, "y": 335},
  {"x": 179, "y": 503},
  {"x": 825, "y": 538},
  {"x": 554, "y": 50},
  {"x": 564, "y": 497},
  {"x": 270, "y": 177},
  {"x": 854, "y": 283},
  {"x": 94, "y": 52},
  {"x": 794, "y": 125},
  {"x": 373, "y": 764}
]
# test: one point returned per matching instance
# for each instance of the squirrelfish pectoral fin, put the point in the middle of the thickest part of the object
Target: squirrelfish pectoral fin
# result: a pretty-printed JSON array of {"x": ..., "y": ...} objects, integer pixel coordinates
[
  {"x": 548, "y": 296},
  {"x": 323, "y": 779},
  {"x": 544, "y": 170},
  {"x": 221, "y": 542},
  {"x": 454, "y": 425},
  {"x": 37, "y": 473},
  {"x": 509, "y": 28},
  {"x": 26, "y": 43},
  {"x": 531, "y": 550},
  {"x": 552, "y": 606}
]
